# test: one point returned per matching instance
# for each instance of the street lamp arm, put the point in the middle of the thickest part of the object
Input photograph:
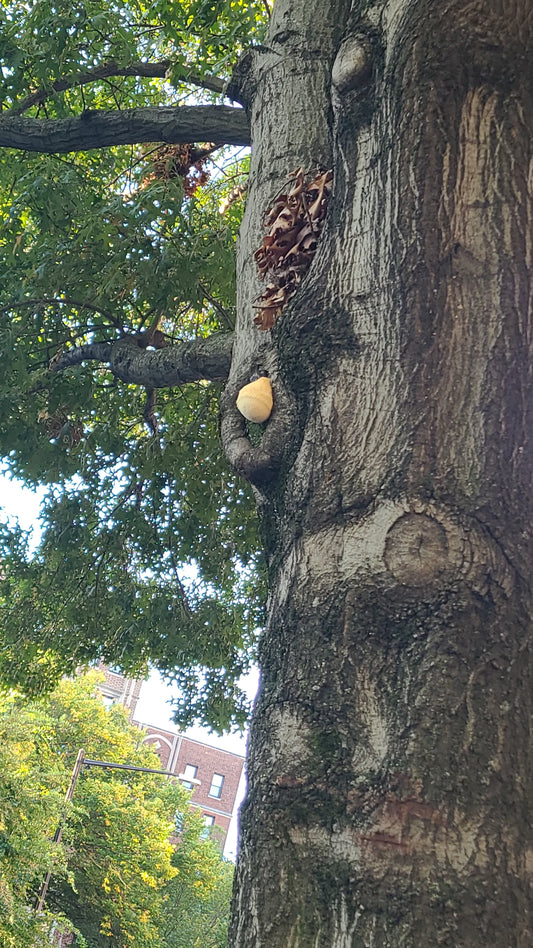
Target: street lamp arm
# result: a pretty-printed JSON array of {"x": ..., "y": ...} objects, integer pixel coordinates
[
  {"x": 143, "y": 770},
  {"x": 81, "y": 762}
]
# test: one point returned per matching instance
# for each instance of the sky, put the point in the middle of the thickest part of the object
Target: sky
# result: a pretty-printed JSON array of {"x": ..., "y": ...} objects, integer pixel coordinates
[{"x": 19, "y": 504}]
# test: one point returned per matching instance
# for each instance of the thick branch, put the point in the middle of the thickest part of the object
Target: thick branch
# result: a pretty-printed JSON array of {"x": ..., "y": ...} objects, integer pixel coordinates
[
  {"x": 107, "y": 70},
  {"x": 219, "y": 124},
  {"x": 208, "y": 359},
  {"x": 260, "y": 463}
]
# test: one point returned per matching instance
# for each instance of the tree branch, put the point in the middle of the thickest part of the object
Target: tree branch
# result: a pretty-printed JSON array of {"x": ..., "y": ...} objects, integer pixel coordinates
[
  {"x": 258, "y": 463},
  {"x": 219, "y": 124},
  {"x": 208, "y": 359},
  {"x": 62, "y": 301},
  {"x": 107, "y": 70}
]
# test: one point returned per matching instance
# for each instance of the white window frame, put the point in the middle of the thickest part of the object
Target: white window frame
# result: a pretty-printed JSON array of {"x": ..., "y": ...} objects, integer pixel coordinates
[
  {"x": 188, "y": 780},
  {"x": 215, "y": 790}
]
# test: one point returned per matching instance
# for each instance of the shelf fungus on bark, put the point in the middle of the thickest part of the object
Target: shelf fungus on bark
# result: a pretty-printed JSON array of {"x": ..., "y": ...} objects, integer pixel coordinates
[
  {"x": 293, "y": 224},
  {"x": 255, "y": 401}
]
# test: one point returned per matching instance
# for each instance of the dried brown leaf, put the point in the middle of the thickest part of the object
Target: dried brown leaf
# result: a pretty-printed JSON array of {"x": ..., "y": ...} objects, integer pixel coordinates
[{"x": 293, "y": 224}]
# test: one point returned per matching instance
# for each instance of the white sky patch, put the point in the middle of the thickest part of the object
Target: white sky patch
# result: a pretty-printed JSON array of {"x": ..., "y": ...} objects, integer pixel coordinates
[
  {"x": 19, "y": 504},
  {"x": 155, "y": 707}
]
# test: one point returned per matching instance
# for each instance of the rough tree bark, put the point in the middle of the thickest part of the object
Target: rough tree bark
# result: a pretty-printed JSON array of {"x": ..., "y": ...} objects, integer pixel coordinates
[
  {"x": 390, "y": 772},
  {"x": 97, "y": 128}
]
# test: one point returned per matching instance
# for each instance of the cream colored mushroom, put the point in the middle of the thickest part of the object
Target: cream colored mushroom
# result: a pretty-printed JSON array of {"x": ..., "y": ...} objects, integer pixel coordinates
[{"x": 255, "y": 401}]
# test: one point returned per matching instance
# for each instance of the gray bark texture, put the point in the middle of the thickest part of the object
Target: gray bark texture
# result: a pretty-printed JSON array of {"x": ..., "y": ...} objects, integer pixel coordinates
[
  {"x": 208, "y": 358},
  {"x": 390, "y": 771},
  {"x": 97, "y": 128}
]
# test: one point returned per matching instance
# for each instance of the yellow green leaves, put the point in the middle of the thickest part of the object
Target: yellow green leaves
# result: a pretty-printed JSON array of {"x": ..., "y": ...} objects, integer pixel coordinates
[{"x": 112, "y": 877}]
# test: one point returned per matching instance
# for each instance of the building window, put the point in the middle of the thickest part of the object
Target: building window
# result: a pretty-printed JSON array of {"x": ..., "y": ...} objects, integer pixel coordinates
[
  {"x": 189, "y": 774},
  {"x": 209, "y": 821},
  {"x": 215, "y": 789}
]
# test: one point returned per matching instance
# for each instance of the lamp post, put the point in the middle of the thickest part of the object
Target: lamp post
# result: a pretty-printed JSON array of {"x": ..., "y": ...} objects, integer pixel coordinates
[{"x": 81, "y": 762}]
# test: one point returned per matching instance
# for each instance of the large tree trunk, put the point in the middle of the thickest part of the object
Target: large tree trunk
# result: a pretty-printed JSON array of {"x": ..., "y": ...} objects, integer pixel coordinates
[{"x": 390, "y": 773}]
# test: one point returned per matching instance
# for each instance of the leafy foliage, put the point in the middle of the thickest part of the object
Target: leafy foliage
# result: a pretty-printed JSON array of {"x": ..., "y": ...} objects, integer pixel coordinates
[
  {"x": 115, "y": 876},
  {"x": 29, "y": 813},
  {"x": 149, "y": 549},
  {"x": 197, "y": 899},
  {"x": 48, "y": 42}
]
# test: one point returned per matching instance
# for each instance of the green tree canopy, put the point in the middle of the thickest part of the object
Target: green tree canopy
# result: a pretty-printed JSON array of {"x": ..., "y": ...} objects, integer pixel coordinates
[
  {"x": 149, "y": 549},
  {"x": 30, "y": 807},
  {"x": 197, "y": 899},
  {"x": 116, "y": 877}
]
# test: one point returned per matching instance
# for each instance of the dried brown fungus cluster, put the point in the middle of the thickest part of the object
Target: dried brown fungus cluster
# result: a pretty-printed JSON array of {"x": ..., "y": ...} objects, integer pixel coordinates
[
  {"x": 293, "y": 226},
  {"x": 179, "y": 161},
  {"x": 59, "y": 427}
]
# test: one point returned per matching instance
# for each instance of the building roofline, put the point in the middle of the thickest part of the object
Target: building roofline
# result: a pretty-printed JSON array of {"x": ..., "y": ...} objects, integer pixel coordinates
[{"x": 191, "y": 740}]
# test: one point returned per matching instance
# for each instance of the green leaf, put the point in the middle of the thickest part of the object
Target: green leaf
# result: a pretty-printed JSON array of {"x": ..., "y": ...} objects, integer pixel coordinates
[{"x": 149, "y": 548}]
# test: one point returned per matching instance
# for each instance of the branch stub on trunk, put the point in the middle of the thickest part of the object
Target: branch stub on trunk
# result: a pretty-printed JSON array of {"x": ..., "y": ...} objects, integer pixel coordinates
[{"x": 416, "y": 549}]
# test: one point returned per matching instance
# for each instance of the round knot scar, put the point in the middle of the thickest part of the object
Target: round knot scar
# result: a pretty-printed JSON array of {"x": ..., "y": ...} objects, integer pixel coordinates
[
  {"x": 352, "y": 63},
  {"x": 416, "y": 550}
]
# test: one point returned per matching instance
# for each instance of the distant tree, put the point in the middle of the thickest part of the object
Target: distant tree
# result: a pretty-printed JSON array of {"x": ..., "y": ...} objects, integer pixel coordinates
[
  {"x": 32, "y": 787},
  {"x": 196, "y": 901},
  {"x": 110, "y": 873}
]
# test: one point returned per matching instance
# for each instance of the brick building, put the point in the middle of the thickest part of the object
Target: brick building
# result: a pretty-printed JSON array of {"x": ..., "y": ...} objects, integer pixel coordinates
[
  {"x": 117, "y": 689},
  {"x": 213, "y": 775}
]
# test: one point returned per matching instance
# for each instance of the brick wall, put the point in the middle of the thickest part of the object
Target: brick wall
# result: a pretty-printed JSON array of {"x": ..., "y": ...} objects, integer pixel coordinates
[
  {"x": 117, "y": 688},
  {"x": 178, "y": 753}
]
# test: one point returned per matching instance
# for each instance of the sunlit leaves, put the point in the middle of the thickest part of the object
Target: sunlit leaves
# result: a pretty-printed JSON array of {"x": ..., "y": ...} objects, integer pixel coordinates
[
  {"x": 31, "y": 807},
  {"x": 113, "y": 875},
  {"x": 149, "y": 546},
  {"x": 47, "y": 42},
  {"x": 197, "y": 898}
]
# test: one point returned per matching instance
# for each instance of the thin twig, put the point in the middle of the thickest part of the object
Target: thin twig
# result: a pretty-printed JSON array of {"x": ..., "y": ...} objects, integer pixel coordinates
[
  {"x": 183, "y": 595},
  {"x": 140, "y": 69},
  {"x": 63, "y": 301},
  {"x": 218, "y": 306},
  {"x": 149, "y": 411}
]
